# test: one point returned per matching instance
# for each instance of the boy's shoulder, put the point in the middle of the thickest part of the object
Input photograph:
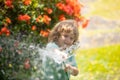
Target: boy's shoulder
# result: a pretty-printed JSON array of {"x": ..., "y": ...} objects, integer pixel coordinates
[{"x": 51, "y": 45}]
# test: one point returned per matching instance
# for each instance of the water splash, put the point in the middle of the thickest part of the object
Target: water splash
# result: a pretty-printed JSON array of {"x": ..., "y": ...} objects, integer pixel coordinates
[{"x": 53, "y": 52}]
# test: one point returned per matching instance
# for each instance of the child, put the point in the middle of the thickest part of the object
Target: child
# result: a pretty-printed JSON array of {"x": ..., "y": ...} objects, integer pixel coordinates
[{"x": 62, "y": 36}]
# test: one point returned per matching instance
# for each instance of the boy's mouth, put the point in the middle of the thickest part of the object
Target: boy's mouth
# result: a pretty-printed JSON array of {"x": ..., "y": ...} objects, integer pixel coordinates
[{"x": 66, "y": 46}]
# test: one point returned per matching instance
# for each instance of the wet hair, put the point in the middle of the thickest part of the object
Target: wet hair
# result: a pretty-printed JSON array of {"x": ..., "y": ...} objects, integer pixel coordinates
[{"x": 67, "y": 26}]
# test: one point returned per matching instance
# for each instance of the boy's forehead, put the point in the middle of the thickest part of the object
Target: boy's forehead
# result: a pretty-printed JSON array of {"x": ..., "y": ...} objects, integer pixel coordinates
[
  {"x": 67, "y": 28},
  {"x": 68, "y": 33}
]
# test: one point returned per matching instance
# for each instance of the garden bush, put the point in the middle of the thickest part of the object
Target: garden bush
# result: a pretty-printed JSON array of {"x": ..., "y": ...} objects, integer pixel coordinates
[{"x": 28, "y": 22}]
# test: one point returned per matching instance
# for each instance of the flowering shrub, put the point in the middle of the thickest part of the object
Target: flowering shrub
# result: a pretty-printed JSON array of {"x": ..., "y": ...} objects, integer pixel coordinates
[
  {"x": 16, "y": 60},
  {"x": 36, "y": 17},
  {"x": 26, "y": 22}
]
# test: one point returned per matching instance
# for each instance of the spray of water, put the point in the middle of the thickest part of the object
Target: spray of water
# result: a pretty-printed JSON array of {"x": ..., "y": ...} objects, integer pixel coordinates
[{"x": 53, "y": 53}]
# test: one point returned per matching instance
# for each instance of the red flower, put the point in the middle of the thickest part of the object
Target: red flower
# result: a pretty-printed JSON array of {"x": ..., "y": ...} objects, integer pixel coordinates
[
  {"x": 38, "y": 18},
  {"x": 4, "y": 30},
  {"x": 65, "y": 7},
  {"x": 45, "y": 33},
  {"x": 0, "y": 33},
  {"x": 24, "y": 17},
  {"x": 8, "y": 3},
  {"x": 60, "y": 5},
  {"x": 27, "y": 2},
  {"x": 68, "y": 9},
  {"x": 8, "y": 20},
  {"x": 7, "y": 32},
  {"x": 27, "y": 64},
  {"x": 62, "y": 17},
  {"x": 33, "y": 27},
  {"x": 85, "y": 23},
  {"x": 75, "y": 5},
  {"x": 46, "y": 19},
  {"x": 49, "y": 10},
  {"x": 0, "y": 49}
]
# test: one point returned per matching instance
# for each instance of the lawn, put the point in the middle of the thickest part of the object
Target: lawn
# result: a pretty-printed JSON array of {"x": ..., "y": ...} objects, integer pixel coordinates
[{"x": 101, "y": 63}]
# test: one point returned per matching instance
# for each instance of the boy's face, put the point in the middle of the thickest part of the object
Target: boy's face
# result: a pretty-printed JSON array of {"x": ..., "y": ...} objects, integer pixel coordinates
[{"x": 65, "y": 40}]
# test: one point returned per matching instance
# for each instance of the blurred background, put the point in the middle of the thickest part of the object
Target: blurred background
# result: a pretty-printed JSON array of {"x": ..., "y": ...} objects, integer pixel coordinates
[{"x": 98, "y": 57}]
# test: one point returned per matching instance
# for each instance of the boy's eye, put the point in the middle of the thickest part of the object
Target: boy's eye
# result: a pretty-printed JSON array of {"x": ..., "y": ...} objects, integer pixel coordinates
[
  {"x": 71, "y": 38},
  {"x": 66, "y": 36}
]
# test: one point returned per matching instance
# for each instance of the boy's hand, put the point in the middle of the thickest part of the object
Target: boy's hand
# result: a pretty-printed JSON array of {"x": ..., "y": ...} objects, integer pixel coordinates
[
  {"x": 67, "y": 67},
  {"x": 73, "y": 70}
]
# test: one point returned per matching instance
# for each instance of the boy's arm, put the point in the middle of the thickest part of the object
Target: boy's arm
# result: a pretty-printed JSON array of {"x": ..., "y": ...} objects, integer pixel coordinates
[
  {"x": 73, "y": 70},
  {"x": 71, "y": 65}
]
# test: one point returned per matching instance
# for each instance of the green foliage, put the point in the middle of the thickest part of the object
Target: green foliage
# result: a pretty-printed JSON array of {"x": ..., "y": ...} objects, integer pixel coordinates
[
  {"x": 99, "y": 63},
  {"x": 28, "y": 22},
  {"x": 26, "y": 17},
  {"x": 16, "y": 59}
]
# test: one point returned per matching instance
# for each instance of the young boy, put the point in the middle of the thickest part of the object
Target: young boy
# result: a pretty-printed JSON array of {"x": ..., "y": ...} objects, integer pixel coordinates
[{"x": 62, "y": 36}]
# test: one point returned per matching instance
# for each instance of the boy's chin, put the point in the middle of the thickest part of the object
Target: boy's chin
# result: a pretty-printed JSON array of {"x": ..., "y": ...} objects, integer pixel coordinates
[{"x": 65, "y": 47}]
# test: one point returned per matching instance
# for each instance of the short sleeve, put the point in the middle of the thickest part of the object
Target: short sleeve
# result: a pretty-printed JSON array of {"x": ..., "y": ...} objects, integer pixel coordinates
[
  {"x": 71, "y": 60},
  {"x": 51, "y": 45}
]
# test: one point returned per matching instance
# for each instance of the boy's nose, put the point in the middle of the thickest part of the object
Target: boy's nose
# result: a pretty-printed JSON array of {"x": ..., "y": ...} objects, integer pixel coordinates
[{"x": 67, "y": 41}]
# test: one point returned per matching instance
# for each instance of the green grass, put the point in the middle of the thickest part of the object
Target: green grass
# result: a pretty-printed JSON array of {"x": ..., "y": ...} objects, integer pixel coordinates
[
  {"x": 101, "y": 63},
  {"x": 105, "y": 8}
]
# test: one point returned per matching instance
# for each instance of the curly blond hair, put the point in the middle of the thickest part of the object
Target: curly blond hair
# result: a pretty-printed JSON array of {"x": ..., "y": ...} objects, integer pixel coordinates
[{"x": 69, "y": 26}]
